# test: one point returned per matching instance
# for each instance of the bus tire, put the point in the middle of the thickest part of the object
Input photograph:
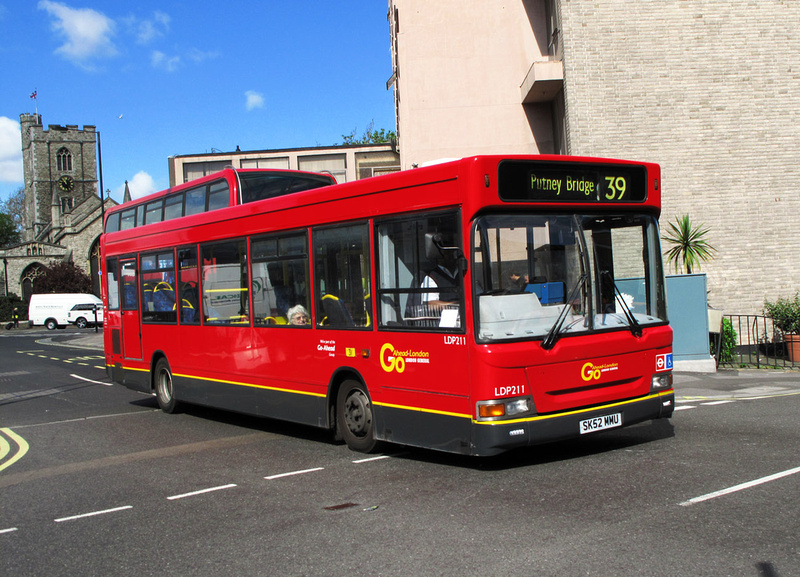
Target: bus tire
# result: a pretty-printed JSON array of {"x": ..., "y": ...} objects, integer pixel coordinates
[
  {"x": 354, "y": 420},
  {"x": 163, "y": 387}
]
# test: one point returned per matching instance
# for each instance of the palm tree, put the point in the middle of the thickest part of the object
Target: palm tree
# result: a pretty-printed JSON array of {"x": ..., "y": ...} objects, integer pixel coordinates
[{"x": 689, "y": 244}]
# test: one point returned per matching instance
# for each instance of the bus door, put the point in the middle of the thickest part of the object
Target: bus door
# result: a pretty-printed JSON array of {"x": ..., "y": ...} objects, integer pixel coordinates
[{"x": 131, "y": 326}]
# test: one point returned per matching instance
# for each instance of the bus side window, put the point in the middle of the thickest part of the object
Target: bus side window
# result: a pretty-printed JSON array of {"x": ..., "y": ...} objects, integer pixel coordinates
[
  {"x": 158, "y": 288},
  {"x": 188, "y": 283},
  {"x": 279, "y": 276},
  {"x": 224, "y": 288},
  {"x": 195, "y": 201},
  {"x": 112, "y": 284},
  {"x": 341, "y": 276},
  {"x": 420, "y": 286}
]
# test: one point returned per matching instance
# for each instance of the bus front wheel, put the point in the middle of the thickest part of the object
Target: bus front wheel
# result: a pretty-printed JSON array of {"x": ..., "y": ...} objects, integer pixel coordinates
[
  {"x": 354, "y": 417},
  {"x": 163, "y": 381}
]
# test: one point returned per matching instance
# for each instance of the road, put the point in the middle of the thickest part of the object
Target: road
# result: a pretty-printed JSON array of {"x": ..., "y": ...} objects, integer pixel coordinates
[{"x": 94, "y": 480}]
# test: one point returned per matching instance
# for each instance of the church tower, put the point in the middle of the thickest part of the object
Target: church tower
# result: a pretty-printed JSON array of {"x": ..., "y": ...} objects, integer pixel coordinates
[{"x": 60, "y": 171}]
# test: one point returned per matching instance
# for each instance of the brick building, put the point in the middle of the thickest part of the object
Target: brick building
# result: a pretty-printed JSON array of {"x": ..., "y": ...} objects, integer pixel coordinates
[
  {"x": 62, "y": 215},
  {"x": 706, "y": 88}
]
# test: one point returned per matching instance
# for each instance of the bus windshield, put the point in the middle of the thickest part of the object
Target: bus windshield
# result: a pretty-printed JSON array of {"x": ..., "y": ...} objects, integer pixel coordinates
[{"x": 546, "y": 276}]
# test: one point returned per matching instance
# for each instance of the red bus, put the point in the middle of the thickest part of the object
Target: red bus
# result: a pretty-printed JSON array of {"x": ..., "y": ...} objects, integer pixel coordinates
[{"x": 472, "y": 306}]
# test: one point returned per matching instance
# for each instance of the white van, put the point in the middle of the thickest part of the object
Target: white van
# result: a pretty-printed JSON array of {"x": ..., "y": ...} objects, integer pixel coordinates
[{"x": 53, "y": 310}]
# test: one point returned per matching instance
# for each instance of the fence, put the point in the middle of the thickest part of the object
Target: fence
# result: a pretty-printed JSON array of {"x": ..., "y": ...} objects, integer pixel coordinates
[{"x": 759, "y": 344}]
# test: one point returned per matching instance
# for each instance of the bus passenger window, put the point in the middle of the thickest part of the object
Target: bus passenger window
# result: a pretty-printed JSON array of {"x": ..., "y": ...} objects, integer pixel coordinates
[
  {"x": 173, "y": 207},
  {"x": 154, "y": 212},
  {"x": 158, "y": 288},
  {"x": 188, "y": 283},
  {"x": 224, "y": 288},
  {"x": 280, "y": 277},
  {"x": 127, "y": 219},
  {"x": 112, "y": 284},
  {"x": 342, "y": 278},
  {"x": 112, "y": 223},
  {"x": 218, "y": 195},
  {"x": 421, "y": 286},
  {"x": 195, "y": 201}
]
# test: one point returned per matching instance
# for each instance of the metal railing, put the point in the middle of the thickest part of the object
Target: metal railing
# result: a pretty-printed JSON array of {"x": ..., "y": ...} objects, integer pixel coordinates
[{"x": 759, "y": 344}]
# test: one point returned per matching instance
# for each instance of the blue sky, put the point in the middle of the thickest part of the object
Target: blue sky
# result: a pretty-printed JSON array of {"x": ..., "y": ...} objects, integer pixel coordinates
[{"x": 162, "y": 78}]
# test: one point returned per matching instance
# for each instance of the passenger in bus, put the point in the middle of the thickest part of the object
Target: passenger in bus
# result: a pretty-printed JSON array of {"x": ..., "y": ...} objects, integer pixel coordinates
[{"x": 298, "y": 315}]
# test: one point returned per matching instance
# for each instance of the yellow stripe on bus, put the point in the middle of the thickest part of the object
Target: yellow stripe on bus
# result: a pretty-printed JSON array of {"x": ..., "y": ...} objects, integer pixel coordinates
[{"x": 252, "y": 385}]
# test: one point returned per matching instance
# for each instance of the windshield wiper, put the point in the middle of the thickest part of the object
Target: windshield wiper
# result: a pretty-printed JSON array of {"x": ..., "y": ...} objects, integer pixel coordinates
[
  {"x": 636, "y": 328},
  {"x": 552, "y": 336}
]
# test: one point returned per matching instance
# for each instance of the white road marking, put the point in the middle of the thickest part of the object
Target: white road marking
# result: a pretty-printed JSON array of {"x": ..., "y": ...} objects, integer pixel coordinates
[
  {"x": 91, "y": 381},
  {"x": 271, "y": 477},
  {"x": 93, "y": 514},
  {"x": 201, "y": 491},
  {"x": 10, "y": 530},
  {"x": 741, "y": 487}
]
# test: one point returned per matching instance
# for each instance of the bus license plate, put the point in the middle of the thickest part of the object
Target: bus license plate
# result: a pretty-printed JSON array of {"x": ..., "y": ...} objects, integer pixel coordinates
[{"x": 600, "y": 423}]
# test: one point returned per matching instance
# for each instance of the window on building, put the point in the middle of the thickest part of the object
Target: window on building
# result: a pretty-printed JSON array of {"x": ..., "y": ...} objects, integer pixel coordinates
[
  {"x": 64, "y": 160},
  {"x": 66, "y": 204},
  {"x": 334, "y": 164}
]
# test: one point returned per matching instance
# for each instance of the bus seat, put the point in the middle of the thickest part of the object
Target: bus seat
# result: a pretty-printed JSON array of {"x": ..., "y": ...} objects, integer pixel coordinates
[{"x": 336, "y": 313}]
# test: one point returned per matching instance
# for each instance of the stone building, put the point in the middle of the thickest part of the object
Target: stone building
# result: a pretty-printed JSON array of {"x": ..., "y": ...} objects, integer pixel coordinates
[
  {"x": 706, "y": 88},
  {"x": 62, "y": 214}
]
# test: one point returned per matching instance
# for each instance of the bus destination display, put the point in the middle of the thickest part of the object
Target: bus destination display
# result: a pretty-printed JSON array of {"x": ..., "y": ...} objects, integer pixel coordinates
[{"x": 531, "y": 181}]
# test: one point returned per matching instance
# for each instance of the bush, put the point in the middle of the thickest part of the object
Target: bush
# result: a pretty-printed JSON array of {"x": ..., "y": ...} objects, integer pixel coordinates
[
  {"x": 785, "y": 313},
  {"x": 7, "y": 305},
  {"x": 727, "y": 342}
]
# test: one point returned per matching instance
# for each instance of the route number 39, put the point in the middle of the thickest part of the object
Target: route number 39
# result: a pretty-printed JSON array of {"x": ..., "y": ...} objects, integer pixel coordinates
[{"x": 615, "y": 187}]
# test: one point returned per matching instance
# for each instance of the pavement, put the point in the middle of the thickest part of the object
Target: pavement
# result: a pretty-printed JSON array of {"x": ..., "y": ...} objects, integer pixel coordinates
[{"x": 724, "y": 384}]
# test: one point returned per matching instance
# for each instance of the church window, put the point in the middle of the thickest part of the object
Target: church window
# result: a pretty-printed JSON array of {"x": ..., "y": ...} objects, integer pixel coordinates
[
  {"x": 64, "y": 160},
  {"x": 66, "y": 204}
]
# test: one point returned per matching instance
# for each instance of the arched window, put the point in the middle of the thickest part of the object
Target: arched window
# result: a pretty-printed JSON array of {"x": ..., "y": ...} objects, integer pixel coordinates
[{"x": 64, "y": 160}]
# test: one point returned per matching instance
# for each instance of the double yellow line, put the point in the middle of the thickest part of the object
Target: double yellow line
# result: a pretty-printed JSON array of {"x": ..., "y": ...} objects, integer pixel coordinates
[{"x": 7, "y": 437}]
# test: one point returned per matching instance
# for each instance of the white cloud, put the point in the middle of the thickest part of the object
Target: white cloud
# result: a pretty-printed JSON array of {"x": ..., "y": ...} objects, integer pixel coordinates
[
  {"x": 87, "y": 33},
  {"x": 140, "y": 185},
  {"x": 160, "y": 60},
  {"x": 254, "y": 100},
  {"x": 148, "y": 30},
  {"x": 10, "y": 151}
]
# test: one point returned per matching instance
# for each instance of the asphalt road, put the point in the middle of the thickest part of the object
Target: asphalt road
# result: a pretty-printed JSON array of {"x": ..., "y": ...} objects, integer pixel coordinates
[{"x": 94, "y": 480}]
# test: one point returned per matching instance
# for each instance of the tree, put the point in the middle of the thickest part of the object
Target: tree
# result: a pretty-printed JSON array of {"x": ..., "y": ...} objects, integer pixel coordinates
[
  {"x": 9, "y": 235},
  {"x": 370, "y": 136},
  {"x": 14, "y": 209},
  {"x": 689, "y": 244},
  {"x": 63, "y": 277}
]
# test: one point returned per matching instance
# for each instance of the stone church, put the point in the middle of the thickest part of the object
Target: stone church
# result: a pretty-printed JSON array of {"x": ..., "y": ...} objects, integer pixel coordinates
[{"x": 62, "y": 213}]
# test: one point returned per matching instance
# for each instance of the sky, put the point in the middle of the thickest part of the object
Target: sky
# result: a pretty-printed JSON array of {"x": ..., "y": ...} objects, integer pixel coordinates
[{"x": 160, "y": 78}]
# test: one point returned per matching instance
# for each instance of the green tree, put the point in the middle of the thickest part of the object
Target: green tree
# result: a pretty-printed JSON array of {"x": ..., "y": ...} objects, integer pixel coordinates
[
  {"x": 370, "y": 136},
  {"x": 689, "y": 244},
  {"x": 9, "y": 235},
  {"x": 63, "y": 277}
]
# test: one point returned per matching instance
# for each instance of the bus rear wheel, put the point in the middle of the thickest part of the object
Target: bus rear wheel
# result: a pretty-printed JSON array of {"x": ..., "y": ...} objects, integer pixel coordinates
[
  {"x": 163, "y": 385},
  {"x": 354, "y": 417}
]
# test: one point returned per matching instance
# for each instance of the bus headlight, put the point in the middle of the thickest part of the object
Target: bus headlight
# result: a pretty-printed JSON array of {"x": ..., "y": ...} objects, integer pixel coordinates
[
  {"x": 504, "y": 408},
  {"x": 661, "y": 382}
]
